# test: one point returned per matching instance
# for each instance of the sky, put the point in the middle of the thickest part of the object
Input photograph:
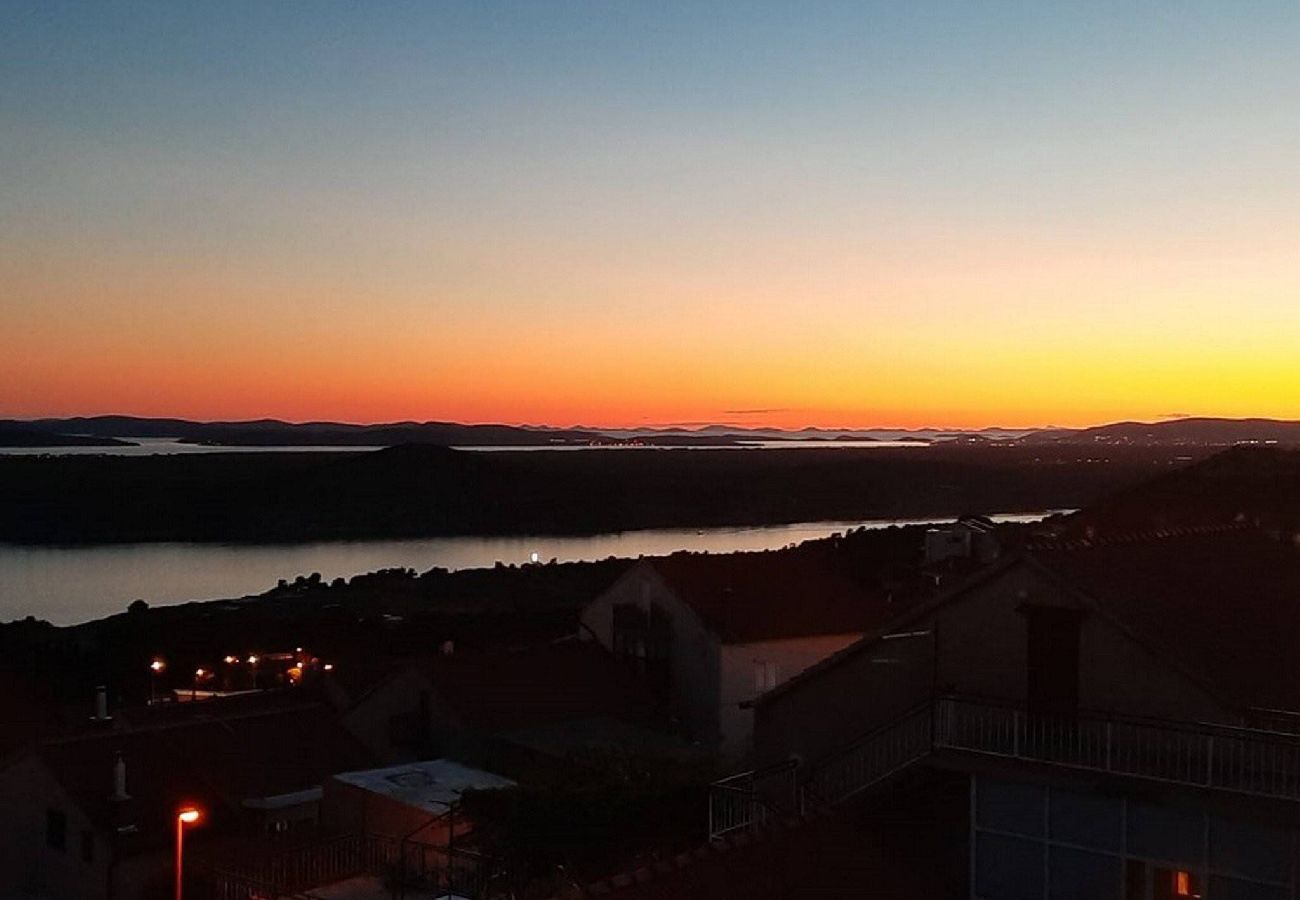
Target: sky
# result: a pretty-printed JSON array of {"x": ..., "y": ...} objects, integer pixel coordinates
[{"x": 610, "y": 213}]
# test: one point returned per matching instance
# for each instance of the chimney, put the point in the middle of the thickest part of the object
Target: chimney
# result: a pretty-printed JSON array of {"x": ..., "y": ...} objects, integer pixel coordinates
[
  {"x": 119, "y": 780},
  {"x": 101, "y": 705}
]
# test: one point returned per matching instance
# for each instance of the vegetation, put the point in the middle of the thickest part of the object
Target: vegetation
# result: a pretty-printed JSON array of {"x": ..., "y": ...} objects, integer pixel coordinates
[{"x": 421, "y": 490}]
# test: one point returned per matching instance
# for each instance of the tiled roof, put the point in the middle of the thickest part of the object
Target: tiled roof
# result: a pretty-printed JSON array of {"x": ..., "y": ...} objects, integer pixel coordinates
[
  {"x": 772, "y": 595},
  {"x": 1223, "y": 603},
  {"x": 214, "y": 762},
  {"x": 556, "y": 682},
  {"x": 28, "y": 712}
]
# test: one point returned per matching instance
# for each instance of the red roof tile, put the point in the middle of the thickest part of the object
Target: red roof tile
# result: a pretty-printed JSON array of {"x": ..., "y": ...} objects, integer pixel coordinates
[
  {"x": 1223, "y": 604},
  {"x": 213, "y": 762},
  {"x": 551, "y": 683},
  {"x": 772, "y": 595}
]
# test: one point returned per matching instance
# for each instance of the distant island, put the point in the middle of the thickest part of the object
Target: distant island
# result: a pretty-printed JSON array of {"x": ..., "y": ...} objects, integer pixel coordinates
[
  {"x": 110, "y": 431},
  {"x": 419, "y": 490},
  {"x": 16, "y": 436}
]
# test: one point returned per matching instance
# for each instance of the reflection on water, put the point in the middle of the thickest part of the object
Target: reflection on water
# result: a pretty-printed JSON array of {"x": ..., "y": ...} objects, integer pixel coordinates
[{"x": 73, "y": 584}]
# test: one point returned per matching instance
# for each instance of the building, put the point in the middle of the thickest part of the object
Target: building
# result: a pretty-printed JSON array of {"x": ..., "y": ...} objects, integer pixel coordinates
[
  {"x": 418, "y": 798},
  {"x": 970, "y": 537},
  {"x": 493, "y": 707},
  {"x": 709, "y": 634},
  {"x": 93, "y": 815},
  {"x": 1106, "y": 719}
]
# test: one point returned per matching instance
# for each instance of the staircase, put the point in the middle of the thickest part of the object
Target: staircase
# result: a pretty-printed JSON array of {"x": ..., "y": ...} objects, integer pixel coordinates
[{"x": 1218, "y": 757}]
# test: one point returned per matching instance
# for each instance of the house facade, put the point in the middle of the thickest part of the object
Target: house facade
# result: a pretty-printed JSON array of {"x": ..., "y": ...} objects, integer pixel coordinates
[
  {"x": 94, "y": 815},
  {"x": 709, "y": 635},
  {"x": 1120, "y": 713}
]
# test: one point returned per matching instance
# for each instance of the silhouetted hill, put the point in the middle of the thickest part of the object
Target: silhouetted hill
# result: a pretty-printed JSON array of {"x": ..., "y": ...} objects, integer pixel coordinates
[
  {"x": 1251, "y": 485},
  {"x": 14, "y": 434},
  {"x": 272, "y": 432},
  {"x": 420, "y": 490},
  {"x": 1191, "y": 431}
]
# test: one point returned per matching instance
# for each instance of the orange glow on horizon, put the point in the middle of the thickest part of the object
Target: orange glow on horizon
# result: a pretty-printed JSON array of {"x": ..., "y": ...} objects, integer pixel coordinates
[{"x": 1036, "y": 338}]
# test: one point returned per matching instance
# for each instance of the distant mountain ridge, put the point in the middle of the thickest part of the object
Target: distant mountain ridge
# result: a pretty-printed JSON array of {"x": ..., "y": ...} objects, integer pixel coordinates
[
  {"x": 1197, "y": 431},
  {"x": 15, "y": 435},
  {"x": 1201, "y": 431}
]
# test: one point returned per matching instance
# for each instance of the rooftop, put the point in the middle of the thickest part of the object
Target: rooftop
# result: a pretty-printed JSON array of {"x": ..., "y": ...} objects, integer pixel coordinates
[
  {"x": 431, "y": 786},
  {"x": 216, "y": 762},
  {"x": 1221, "y": 603},
  {"x": 772, "y": 595},
  {"x": 559, "y": 682}
]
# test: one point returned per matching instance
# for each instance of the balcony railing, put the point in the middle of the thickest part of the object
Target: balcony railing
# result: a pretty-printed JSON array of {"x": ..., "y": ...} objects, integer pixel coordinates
[
  {"x": 752, "y": 798},
  {"x": 1240, "y": 760}
]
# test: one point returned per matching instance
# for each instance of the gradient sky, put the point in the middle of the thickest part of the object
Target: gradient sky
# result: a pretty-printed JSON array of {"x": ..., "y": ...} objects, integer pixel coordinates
[{"x": 608, "y": 213}]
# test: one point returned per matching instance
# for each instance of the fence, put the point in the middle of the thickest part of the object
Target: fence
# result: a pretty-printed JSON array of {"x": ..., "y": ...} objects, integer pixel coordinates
[
  {"x": 1241, "y": 760},
  {"x": 293, "y": 872}
]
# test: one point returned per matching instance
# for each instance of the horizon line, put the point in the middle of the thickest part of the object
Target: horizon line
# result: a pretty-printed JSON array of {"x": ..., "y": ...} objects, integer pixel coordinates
[{"x": 698, "y": 425}]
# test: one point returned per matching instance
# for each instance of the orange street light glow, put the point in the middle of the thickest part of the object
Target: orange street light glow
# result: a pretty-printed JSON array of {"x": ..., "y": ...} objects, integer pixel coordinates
[
  {"x": 189, "y": 815},
  {"x": 157, "y": 665}
]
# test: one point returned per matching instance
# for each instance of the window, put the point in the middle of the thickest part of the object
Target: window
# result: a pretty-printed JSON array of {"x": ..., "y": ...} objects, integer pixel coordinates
[
  {"x": 87, "y": 845},
  {"x": 765, "y": 675},
  {"x": 56, "y": 829}
]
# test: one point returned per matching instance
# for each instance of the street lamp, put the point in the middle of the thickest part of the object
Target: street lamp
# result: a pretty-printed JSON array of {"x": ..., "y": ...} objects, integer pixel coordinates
[
  {"x": 198, "y": 674},
  {"x": 155, "y": 669},
  {"x": 185, "y": 816}
]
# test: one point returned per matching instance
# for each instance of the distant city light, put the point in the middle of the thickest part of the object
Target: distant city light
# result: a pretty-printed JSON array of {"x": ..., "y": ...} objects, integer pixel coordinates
[
  {"x": 328, "y": 667},
  {"x": 199, "y": 673},
  {"x": 189, "y": 815},
  {"x": 252, "y": 660},
  {"x": 230, "y": 660},
  {"x": 535, "y": 557},
  {"x": 157, "y": 665}
]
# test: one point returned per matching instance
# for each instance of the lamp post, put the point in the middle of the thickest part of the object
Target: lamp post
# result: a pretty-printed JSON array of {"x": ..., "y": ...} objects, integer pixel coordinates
[
  {"x": 194, "y": 693},
  {"x": 155, "y": 669},
  {"x": 186, "y": 816}
]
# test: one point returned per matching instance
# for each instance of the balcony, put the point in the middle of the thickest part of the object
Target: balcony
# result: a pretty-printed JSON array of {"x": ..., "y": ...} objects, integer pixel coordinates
[{"x": 1217, "y": 757}]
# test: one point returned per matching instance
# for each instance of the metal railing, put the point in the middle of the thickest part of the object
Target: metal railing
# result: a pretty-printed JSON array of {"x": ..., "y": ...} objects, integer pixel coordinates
[
  {"x": 872, "y": 758},
  {"x": 752, "y": 798},
  {"x": 1241, "y": 760},
  {"x": 296, "y": 870},
  {"x": 1221, "y": 757}
]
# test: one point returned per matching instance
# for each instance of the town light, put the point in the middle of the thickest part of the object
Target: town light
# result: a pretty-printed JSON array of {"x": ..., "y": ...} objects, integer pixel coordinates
[
  {"x": 231, "y": 660},
  {"x": 252, "y": 660},
  {"x": 155, "y": 669},
  {"x": 187, "y": 815}
]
